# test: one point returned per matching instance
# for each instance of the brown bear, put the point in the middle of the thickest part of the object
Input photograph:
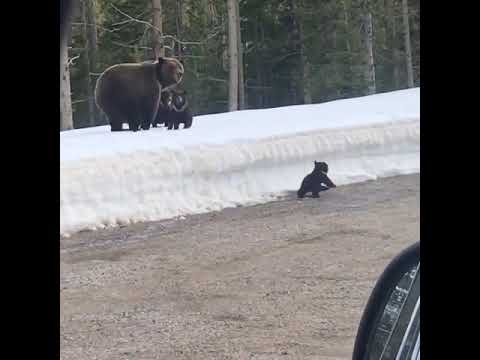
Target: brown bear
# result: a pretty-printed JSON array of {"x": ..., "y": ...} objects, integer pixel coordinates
[
  {"x": 179, "y": 112},
  {"x": 130, "y": 93}
]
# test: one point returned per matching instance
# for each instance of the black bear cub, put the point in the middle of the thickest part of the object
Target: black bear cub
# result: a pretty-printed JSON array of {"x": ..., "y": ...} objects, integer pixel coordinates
[
  {"x": 316, "y": 181},
  {"x": 179, "y": 112}
]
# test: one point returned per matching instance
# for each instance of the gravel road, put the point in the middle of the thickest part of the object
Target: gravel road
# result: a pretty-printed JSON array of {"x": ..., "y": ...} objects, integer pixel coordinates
[{"x": 283, "y": 280}]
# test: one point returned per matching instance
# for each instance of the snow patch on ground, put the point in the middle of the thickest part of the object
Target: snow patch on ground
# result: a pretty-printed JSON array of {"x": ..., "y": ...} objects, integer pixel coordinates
[{"x": 229, "y": 159}]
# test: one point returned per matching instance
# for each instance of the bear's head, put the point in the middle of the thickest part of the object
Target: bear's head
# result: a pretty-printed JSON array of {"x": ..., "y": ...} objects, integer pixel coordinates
[
  {"x": 321, "y": 166},
  {"x": 179, "y": 101},
  {"x": 169, "y": 71}
]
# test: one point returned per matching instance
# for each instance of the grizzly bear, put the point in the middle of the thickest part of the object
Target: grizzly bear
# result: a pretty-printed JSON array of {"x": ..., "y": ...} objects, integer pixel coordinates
[
  {"x": 316, "y": 181},
  {"x": 130, "y": 93},
  {"x": 179, "y": 113}
]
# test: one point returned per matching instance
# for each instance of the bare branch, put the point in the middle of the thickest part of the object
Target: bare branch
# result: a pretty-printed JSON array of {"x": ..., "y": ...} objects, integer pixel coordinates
[
  {"x": 98, "y": 26},
  {"x": 211, "y": 78},
  {"x": 129, "y": 20},
  {"x": 200, "y": 76},
  {"x": 131, "y": 46},
  {"x": 166, "y": 36},
  {"x": 79, "y": 101},
  {"x": 279, "y": 59},
  {"x": 248, "y": 81},
  {"x": 134, "y": 19},
  {"x": 71, "y": 60},
  {"x": 195, "y": 56},
  {"x": 138, "y": 47}
]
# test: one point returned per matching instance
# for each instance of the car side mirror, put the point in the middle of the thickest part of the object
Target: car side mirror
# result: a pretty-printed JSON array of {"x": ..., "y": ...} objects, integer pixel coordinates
[{"x": 390, "y": 325}]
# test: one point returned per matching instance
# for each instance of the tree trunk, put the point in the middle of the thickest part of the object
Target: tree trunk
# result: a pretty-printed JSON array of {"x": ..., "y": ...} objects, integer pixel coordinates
[
  {"x": 336, "y": 73},
  {"x": 305, "y": 68},
  {"x": 158, "y": 48},
  {"x": 396, "y": 56},
  {"x": 346, "y": 23},
  {"x": 233, "y": 55},
  {"x": 179, "y": 26},
  {"x": 66, "y": 119},
  {"x": 212, "y": 12},
  {"x": 259, "y": 103},
  {"x": 267, "y": 74},
  {"x": 91, "y": 20},
  {"x": 391, "y": 14},
  {"x": 241, "y": 82},
  {"x": 408, "y": 46},
  {"x": 90, "y": 55},
  {"x": 367, "y": 39},
  {"x": 195, "y": 97},
  {"x": 300, "y": 84},
  {"x": 66, "y": 10},
  {"x": 293, "y": 59},
  {"x": 145, "y": 43}
]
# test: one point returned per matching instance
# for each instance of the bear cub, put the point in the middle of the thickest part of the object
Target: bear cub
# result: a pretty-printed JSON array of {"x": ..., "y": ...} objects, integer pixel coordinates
[
  {"x": 316, "y": 181},
  {"x": 179, "y": 112}
]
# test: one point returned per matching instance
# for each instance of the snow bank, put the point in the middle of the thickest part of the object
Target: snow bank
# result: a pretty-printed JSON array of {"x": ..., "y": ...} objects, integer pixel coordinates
[{"x": 235, "y": 158}]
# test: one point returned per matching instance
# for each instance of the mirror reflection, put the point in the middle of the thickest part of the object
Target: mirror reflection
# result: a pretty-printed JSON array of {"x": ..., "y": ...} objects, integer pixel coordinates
[{"x": 397, "y": 335}]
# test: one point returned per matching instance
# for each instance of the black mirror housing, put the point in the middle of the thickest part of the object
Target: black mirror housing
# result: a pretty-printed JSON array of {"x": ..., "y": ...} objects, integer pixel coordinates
[{"x": 404, "y": 329}]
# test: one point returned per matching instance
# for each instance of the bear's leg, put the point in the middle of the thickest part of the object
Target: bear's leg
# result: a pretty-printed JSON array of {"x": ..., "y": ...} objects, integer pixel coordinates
[
  {"x": 160, "y": 118},
  {"x": 188, "y": 119},
  {"x": 301, "y": 193},
  {"x": 304, "y": 188},
  {"x": 149, "y": 107},
  {"x": 116, "y": 119},
  {"x": 133, "y": 123},
  {"x": 316, "y": 188},
  {"x": 156, "y": 121},
  {"x": 128, "y": 111},
  {"x": 145, "y": 119},
  {"x": 169, "y": 122},
  {"x": 115, "y": 126},
  {"x": 176, "y": 125}
]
